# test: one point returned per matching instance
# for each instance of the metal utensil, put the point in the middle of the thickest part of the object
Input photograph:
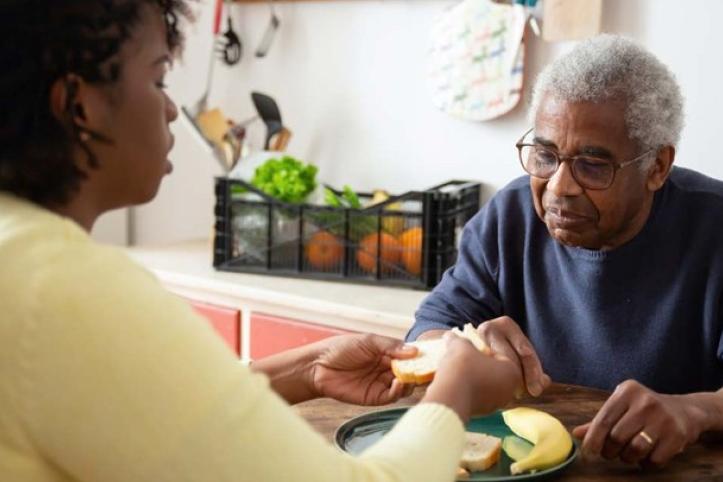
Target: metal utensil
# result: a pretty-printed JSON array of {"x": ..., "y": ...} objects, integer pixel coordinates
[
  {"x": 192, "y": 114},
  {"x": 236, "y": 137},
  {"x": 202, "y": 104},
  {"x": 231, "y": 48},
  {"x": 269, "y": 34}
]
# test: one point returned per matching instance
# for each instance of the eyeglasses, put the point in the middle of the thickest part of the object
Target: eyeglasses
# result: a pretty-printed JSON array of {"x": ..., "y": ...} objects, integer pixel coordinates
[{"x": 589, "y": 172}]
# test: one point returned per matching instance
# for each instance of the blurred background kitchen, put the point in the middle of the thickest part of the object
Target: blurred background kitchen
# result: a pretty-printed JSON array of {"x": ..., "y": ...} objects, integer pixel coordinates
[
  {"x": 361, "y": 88},
  {"x": 350, "y": 78}
]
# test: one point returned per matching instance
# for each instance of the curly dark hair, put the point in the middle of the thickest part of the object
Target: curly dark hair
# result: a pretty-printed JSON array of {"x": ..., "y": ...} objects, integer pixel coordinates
[{"x": 43, "y": 41}]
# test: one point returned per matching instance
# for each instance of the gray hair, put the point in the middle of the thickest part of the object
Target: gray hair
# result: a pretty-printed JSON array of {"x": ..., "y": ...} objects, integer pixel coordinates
[{"x": 614, "y": 67}]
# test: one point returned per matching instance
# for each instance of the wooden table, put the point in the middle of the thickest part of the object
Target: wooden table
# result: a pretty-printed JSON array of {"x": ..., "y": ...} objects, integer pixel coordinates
[{"x": 573, "y": 406}]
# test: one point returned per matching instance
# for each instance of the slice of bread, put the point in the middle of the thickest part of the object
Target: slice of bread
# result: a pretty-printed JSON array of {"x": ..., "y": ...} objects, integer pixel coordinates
[
  {"x": 481, "y": 451},
  {"x": 470, "y": 332},
  {"x": 421, "y": 369}
]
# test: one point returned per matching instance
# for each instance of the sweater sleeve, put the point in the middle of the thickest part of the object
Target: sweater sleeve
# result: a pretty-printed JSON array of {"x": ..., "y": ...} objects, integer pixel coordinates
[
  {"x": 468, "y": 290},
  {"x": 124, "y": 382}
]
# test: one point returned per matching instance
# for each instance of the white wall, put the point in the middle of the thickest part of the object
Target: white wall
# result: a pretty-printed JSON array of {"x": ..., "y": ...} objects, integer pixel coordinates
[
  {"x": 112, "y": 227},
  {"x": 349, "y": 77}
]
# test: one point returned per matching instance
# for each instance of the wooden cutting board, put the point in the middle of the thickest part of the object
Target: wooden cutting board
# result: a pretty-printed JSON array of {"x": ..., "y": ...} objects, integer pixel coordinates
[{"x": 571, "y": 19}]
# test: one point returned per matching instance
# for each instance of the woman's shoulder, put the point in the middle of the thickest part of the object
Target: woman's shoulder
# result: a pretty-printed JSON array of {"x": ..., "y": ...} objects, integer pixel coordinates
[
  {"x": 30, "y": 236},
  {"x": 24, "y": 225},
  {"x": 38, "y": 247}
]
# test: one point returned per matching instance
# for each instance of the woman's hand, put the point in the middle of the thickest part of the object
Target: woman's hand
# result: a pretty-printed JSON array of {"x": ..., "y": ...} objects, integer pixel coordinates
[
  {"x": 357, "y": 369},
  {"x": 472, "y": 383}
]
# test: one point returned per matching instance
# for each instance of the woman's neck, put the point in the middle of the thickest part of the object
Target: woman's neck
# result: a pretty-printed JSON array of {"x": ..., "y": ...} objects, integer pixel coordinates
[
  {"x": 78, "y": 212},
  {"x": 84, "y": 207}
]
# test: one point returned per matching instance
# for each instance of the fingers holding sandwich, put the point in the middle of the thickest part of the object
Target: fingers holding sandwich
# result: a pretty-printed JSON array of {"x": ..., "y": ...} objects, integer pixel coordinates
[
  {"x": 505, "y": 338},
  {"x": 471, "y": 382},
  {"x": 355, "y": 368},
  {"x": 465, "y": 375}
]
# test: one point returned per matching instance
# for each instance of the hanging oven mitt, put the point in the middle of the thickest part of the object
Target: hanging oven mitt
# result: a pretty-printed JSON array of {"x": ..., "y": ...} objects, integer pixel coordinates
[{"x": 476, "y": 59}]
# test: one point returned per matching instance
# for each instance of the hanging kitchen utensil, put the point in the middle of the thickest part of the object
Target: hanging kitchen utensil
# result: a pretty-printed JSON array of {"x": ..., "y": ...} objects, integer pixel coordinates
[
  {"x": 280, "y": 140},
  {"x": 236, "y": 137},
  {"x": 230, "y": 48},
  {"x": 269, "y": 34},
  {"x": 476, "y": 62},
  {"x": 269, "y": 112},
  {"x": 232, "y": 151},
  {"x": 193, "y": 114},
  {"x": 202, "y": 104}
]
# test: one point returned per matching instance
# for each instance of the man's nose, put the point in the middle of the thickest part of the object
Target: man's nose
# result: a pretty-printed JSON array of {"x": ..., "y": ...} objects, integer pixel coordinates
[{"x": 562, "y": 183}]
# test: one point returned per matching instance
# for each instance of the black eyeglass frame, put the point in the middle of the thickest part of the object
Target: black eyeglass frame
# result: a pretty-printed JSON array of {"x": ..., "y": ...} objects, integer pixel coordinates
[{"x": 616, "y": 164}]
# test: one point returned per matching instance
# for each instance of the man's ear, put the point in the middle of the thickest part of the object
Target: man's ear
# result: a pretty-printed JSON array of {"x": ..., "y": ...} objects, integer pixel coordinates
[{"x": 660, "y": 169}]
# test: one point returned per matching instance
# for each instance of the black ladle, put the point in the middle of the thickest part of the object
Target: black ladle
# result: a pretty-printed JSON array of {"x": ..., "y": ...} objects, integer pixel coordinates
[{"x": 231, "y": 49}]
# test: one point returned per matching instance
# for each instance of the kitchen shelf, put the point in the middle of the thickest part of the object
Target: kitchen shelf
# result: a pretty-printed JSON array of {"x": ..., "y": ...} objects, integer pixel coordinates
[{"x": 185, "y": 269}]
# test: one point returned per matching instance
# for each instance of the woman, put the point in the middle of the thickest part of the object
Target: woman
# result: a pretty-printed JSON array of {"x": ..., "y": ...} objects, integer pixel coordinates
[{"x": 104, "y": 376}]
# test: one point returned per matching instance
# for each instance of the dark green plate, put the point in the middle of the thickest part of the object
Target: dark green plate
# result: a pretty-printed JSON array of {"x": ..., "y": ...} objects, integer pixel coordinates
[{"x": 359, "y": 433}]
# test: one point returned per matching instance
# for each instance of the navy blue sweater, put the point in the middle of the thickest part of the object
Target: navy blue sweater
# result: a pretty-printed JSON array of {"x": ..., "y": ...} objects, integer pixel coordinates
[{"x": 650, "y": 310}]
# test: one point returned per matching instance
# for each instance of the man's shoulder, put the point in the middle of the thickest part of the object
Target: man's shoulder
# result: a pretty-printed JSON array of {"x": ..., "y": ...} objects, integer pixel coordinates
[
  {"x": 516, "y": 194},
  {"x": 509, "y": 208},
  {"x": 517, "y": 187},
  {"x": 694, "y": 202},
  {"x": 695, "y": 185}
]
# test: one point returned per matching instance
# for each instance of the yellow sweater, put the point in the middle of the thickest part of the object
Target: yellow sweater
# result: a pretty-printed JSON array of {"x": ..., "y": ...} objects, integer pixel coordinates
[{"x": 105, "y": 376}]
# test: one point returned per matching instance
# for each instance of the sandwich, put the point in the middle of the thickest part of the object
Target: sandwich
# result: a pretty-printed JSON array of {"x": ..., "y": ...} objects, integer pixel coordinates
[
  {"x": 421, "y": 369},
  {"x": 481, "y": 451}
]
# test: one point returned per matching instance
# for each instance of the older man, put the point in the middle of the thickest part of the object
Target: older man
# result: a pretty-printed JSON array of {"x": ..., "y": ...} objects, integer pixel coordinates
[{"x": 605, "y": 264}]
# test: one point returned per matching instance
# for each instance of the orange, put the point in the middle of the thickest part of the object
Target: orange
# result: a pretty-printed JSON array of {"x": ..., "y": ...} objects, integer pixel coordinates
[
  {"x": 324, "y": 250},
  {"x": 366, "y": 254},
  {"x": 411, "y": 246}
]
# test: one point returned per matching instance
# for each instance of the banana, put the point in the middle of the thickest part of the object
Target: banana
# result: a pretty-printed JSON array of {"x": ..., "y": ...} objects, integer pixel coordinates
[
  {"x": 393, "y": 225},
  {"x": 379, "y": 196},
  {"x": 552, "y": 442},
  {"x": 516, "y": 448}
]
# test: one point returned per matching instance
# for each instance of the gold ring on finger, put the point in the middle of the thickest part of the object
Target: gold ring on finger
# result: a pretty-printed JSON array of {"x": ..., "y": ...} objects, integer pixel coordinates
[{"x": 646, "y": 437}]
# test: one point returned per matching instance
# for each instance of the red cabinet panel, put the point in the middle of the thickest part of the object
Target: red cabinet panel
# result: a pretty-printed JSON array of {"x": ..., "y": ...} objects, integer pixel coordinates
[
  {"x": 272, "y": 334},
  {"x": 226, "y": 322}
]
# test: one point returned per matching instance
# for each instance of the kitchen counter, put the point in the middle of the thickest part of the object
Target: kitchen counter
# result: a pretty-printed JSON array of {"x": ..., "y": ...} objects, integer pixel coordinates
[{"x": 186, "y": 270}]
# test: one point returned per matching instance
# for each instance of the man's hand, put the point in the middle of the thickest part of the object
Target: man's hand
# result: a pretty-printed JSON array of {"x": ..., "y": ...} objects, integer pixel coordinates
[
  {"x": 505, "y": 338},
  {"x": 470, "y": 382},
  {"x": 357, "y": 369},
  {"x": 639, "y": 425}
]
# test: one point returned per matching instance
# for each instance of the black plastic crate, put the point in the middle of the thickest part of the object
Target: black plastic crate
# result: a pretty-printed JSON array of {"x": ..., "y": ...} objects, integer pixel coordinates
[{"x": 408, "y": 240}]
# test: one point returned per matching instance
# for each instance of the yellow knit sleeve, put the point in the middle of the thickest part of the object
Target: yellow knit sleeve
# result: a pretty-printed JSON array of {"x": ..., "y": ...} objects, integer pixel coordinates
[{"x": 125, "y": 382}]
